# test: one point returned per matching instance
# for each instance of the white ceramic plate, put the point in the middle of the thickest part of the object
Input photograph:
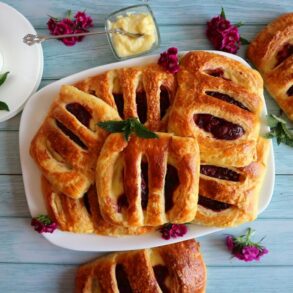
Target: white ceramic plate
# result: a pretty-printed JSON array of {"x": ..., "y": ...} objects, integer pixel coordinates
[
  {"x": 30, "y": 122},
  {"x": 24, "y": 63}
]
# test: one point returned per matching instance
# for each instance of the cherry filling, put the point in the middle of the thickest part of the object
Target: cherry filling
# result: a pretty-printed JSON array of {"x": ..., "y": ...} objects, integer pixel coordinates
[
  {"x": 144, "y": 185},
  {"x": 87, "y": 202},
  {"x": 119, "y": 104},
  {"x": 164, "y": 101},
  {"x": 70, "y": 134},
  {"x": 122, "y": 202},
  {"x": 122, "y": 280},
  {"x": 171, "y": 183},
  {"x": 226, "y": 98},
  {"x": 290, "y": 91},
  {"x": 141, "y": 104},
  {"x": 217, "y": 72},
  {"x": 284, "y": 53},
  {"x": 219, "y": 172},
  {"x": 219, "y": 128},
  {"x": 161, "y": 273},
  {"x": 212, "y": 204},
  {"x": 80, "y": 112}
]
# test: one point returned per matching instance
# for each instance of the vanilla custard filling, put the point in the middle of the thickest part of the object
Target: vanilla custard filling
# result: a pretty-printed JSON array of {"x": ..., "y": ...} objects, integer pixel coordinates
[{"x": 142, "y": 23}]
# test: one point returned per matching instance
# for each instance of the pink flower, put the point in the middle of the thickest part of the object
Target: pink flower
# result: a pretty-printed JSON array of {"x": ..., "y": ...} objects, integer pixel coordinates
[
  {"x": 243, "y": 248},
  {"x": 169, "y": 60},
  {"x": 43, "y": 224},
  {"x": 223, "y": 35},
  {"x": 68, "y": 26},
  {"x": 83, "y": 20},
  {"x": 173, "y": 230}
]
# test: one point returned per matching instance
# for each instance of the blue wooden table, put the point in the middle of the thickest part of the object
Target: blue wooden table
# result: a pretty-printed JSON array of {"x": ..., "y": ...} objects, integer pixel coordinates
[{"x": 28, "y": 263}]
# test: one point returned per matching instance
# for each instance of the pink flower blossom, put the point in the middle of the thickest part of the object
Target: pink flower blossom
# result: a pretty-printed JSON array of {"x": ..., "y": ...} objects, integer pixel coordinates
[
  {"x": 169, "y": 60},
  {"x": 223, "y": 35},
  {"x": 83, "y": 20},
  {"x": 173, "y": 230},
  {"x": 244, "y": 249},
  {"x": 43, "y": 224}
]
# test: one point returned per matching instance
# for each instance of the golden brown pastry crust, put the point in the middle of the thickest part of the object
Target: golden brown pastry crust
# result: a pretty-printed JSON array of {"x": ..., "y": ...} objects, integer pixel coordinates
[
  {"x": 263, "y": 52},
  {"x": 181, "y": 153},
  {"x": 186, "y": 271},
  {"x": 69, "y": 166},
  {"x": 151, "y": 79},
  {"x": 239, "y": 82},
  {"x": 243, "y": 196},
  {"x": 82, "y": 215}
]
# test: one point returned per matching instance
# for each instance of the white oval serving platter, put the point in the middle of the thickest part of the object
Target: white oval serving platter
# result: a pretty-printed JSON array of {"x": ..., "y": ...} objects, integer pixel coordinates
[{"x": 33, "y": 115}]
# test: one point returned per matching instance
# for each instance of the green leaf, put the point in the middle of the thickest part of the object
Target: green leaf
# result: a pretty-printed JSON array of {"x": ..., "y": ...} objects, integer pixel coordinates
[
  {"x": 244, "y": 41},
  {"x": 127, "y": 127},
  {"x": 44, "y": 219},
  {"x": 113, "y": 126},
  {"x": 3, "y": 77},
  {"x": 143, "y": 132},
  {"x": 239, "y": 24},
  {"x": 223, "y": 13},
  {"x": 4, "y": 106},
  {"x": 68, "y": 13}
]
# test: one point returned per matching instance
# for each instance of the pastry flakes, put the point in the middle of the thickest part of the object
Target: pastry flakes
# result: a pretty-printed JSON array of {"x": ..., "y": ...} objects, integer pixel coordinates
[
  {"x": 272, "y": 53},
  {"x": 218, "y": 101},
  {"x": 144, "y": 92},
  {"x": 229, "y": 196},
  {"x": 82, "y": 215},
  {"x": 67, "y": 144},
  {"x": 172, "y": 268},
  {"x": 148, "y": 181}
]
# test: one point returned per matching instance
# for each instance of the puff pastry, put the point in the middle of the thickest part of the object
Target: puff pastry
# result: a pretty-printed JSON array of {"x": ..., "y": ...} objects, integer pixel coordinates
[
  {"x": 144, "y": 92},
  {"x": 67, "y": 144},
  {"x": 172, "y": 268},
  {"x": 272, "y": 53},
  {"x": 82, "y": 215},
  {"x": 148, "y": 181},
  {"x": 229, "y": 196},
  {"x": 218, "y": 101}
]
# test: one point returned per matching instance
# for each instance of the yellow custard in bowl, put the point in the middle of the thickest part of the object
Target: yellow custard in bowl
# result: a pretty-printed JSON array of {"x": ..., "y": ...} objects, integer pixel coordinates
[{"x": 135, "y": 19}]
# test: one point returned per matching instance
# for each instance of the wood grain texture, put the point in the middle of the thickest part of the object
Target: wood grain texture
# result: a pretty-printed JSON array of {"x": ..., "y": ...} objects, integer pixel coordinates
[
  {"x": 45, "y": 278},
  {"x": 29, "y": 263},
  {"x": 166, "y": 11}
]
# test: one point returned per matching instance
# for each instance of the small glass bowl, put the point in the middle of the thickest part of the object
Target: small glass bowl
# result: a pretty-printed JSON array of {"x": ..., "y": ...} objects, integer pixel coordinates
[{"x": 136, "y": 9}]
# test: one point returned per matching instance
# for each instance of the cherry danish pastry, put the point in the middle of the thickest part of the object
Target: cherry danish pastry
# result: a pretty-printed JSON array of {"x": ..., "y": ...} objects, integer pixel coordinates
[
  {"x": 272, "y": 53},
  {"x": 148, "y": 182}
]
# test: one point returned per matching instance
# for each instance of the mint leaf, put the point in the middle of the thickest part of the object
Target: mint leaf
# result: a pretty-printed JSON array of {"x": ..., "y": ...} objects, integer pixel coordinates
[
  {"x": 127, "y": 127},
  {"x": 244, "y": 41},
  {"x": 223, "y": 13},
  {"x": 4, "y": 106},
  {"x": 279, "y": 130},
  {"x": 3, "y": 77},
  {"x": 239, "y": 24}
]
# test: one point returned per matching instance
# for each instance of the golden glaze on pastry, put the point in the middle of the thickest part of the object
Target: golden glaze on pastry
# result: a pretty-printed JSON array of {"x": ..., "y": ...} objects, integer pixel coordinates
[
  {"x": 82, "y": 215},
  {"x": 205, "y": 80},
  {"x": 148, "y": 181},
  {"x": 172, "y": 268},
  {"x": 224, "y": 202},
  {"x": 143, "y": 92},
  {"x": 67, "y": 144},
  {"x": 272, "y": 53}
]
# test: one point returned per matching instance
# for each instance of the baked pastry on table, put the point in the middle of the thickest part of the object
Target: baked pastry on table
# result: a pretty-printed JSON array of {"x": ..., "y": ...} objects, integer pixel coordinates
[
  {"x": 144, "y": 92},
  {"x": 82, "y": 215},
  {"x": 172, "y": 268},
  {"x": 219, "y": 102},
  {"x": 67, "y": 145},
  {"x": 272, "y": 54},
  {"x": 148, "y": 182},
  {"x": 229, "y": 196}
]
